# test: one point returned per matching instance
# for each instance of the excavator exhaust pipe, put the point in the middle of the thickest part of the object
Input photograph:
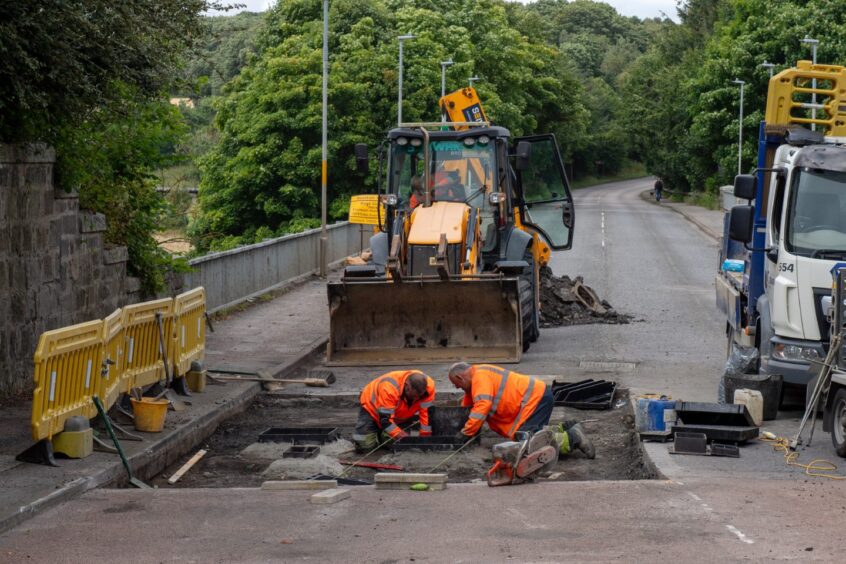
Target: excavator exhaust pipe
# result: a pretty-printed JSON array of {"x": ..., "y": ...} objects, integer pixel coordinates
[{"x": 424, "y": 321}]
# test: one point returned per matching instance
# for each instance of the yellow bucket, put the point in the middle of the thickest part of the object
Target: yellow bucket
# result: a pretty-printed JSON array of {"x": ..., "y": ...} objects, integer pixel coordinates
[{"x": 149, "y": 414}]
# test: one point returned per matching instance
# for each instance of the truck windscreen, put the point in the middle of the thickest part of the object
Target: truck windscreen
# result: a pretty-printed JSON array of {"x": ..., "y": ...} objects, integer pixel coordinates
[{"x": 816, "y": 221}]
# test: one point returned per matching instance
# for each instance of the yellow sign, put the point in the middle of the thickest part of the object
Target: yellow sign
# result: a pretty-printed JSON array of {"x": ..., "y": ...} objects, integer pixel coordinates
[{"x": 363, "y": 210}]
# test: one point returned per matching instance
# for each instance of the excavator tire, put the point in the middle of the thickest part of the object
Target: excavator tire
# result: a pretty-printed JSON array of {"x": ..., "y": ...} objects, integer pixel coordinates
[
  {"x": 534, "y": 323},
  {"x": 527, "y": 307}
]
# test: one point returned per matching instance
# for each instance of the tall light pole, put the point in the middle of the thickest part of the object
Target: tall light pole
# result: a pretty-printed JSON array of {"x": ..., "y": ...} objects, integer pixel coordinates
[
  {"x": 324, "y": 239},
  {"x": 401, "y": 38},
  {"x": 444, "y": 65},
  {"x": 473, "y": 79},
  {"x": 740, "y": 134},
  {"x": 768, "y": 66},
  {"x": 813, "y": 43}
]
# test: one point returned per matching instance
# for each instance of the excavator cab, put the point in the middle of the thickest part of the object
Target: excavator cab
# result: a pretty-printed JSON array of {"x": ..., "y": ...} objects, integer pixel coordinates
[{"x": 467, "y": 217}]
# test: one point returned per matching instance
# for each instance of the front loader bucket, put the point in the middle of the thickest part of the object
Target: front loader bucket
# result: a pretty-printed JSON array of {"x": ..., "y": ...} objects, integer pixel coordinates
[{"x": 432, "y": 321}]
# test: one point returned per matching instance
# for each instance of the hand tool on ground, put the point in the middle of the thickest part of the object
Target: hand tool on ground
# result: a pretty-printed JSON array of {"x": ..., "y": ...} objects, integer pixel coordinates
[
  {"x": 518, "y": 461},
  {"x": 132, "y": 479},
  {"x": 172, "y": 396},
  {"x": 325, "y": 381}
]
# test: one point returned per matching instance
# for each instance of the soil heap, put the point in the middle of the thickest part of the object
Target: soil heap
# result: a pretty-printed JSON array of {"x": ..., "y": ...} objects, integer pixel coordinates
[{"x": 566, "y": 301}]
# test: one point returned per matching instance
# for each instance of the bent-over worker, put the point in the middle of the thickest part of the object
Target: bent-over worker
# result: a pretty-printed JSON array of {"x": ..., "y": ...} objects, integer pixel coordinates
[
  {"x": 389, "y": 403},
  {"x": 512, "y": 403}
]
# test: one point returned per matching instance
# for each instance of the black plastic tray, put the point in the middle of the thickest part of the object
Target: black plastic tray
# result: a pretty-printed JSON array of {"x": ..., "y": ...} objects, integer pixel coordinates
[
  {"x": 585, "y": 394},
  {"x": 427, "y": 443},
  {"x": 300, "y": 435},
  {"x": 720, "y": 433}
]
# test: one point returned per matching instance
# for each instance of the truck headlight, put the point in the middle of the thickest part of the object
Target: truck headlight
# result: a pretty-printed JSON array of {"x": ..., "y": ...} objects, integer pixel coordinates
[
  {"x": 496, "y": 197},
  {"x": 794, "y": 353}
]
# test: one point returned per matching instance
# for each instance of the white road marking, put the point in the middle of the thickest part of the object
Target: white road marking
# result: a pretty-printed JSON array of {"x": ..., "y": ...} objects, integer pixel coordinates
[
  {"x": 694, "y": 496},
  {"x": 603, "y": 228},
  {"x": 739, "y": 534},
  {"x": 527, "y": 523}
]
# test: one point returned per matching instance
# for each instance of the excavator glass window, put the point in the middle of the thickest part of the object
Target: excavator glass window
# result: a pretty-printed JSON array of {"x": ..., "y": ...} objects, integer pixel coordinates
[{"x": 548, "y": 205}]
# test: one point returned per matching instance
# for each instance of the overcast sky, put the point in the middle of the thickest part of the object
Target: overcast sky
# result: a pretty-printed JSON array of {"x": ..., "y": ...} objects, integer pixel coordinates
[{"x": 639, "y": 8}]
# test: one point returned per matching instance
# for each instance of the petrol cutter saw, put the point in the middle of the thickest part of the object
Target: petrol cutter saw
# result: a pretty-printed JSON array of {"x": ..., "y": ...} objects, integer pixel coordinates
[{"x": 518, "y": 461}]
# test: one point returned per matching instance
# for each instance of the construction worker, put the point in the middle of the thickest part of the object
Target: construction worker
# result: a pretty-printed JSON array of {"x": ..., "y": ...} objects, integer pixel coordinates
[
  {"x": 512, "y": 403},
  {"x": 388, "y": 405}
]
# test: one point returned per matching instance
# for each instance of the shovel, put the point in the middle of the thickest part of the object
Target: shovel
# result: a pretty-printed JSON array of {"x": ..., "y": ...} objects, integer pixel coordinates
[
  {"x": 174, "y": 399},
  {"x": 132, "y": 479}
]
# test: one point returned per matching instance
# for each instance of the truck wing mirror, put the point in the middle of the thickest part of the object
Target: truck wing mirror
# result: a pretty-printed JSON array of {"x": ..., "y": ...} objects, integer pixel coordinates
[
  {"x": 362, "y": 160},
  {"x": 740, "y": 223},
  {"x": 524, "y": 151},
  {"x": 745, "y": 186}
]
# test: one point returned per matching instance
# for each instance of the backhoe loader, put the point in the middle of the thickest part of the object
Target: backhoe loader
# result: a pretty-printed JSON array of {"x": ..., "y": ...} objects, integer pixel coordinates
[{"x": 465, "y": 216}]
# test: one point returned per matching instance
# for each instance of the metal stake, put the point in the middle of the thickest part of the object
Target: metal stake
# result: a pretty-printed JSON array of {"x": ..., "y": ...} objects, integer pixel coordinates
[{"x": 324, "y": 238}]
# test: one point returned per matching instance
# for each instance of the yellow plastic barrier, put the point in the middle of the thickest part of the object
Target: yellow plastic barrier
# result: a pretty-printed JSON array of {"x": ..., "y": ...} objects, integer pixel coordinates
[
  {"x": 111, "y": 382},
  {"x": 142, "y": 355},
  {"x": 189, "y": 311},
  {"x": 790, "y": 93},
  {"x": 67, "y": 371}
]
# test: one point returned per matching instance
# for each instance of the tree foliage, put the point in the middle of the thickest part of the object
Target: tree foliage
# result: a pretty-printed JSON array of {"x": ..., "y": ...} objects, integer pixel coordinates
[{"x": 543, "y": 68}]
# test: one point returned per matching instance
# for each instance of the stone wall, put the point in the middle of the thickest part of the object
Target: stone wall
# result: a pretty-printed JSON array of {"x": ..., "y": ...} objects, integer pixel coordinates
[{"x": 55, "y": 268}]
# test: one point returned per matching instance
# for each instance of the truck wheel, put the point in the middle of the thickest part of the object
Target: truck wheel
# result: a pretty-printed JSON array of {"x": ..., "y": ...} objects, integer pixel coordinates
[
  {"x": 527, "y": 307},
  {"x": 838, "y": 422},
  {"x": 532, "y": 278}
]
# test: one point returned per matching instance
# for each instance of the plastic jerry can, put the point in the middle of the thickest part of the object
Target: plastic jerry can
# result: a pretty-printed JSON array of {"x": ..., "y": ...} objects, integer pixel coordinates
[
  {"x": 754, "y": 402},
  {"x": 651, "y": 416}
]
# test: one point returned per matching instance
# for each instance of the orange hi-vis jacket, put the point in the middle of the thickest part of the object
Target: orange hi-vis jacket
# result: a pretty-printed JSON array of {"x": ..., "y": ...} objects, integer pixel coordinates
[
  {"x": 382, "y": 399},
  {"x": 503, "y": 398}
]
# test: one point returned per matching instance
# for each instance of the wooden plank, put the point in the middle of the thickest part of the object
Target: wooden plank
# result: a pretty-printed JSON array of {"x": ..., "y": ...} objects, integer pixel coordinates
[{"x": 187, "y": 466}]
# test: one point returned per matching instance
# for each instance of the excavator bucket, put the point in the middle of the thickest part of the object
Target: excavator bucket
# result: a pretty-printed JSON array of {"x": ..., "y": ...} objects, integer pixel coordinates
[{"x": 430, "y": 321}]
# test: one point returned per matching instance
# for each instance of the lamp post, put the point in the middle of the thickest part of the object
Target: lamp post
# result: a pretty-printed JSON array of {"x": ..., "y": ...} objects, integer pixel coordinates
[
  {"x": 444, "y": 65},
  {"x": 473, "y": 79},
  {"x": 740, "y": 133},
  {"x": 324, "y": 239},
  {"x": 768, "y": 66},
  {"x": 813, "y": 43},
  {"x": 401, "y": 38}
]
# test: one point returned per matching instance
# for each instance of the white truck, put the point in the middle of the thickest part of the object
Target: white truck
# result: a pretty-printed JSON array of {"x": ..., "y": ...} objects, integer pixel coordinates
[{"x": 791, "y": 235}]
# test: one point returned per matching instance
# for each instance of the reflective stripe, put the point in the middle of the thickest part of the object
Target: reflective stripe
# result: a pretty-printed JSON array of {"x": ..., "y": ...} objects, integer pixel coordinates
[
  {"x": 480, "y": 416},
  {"x": 385, "y": 411},
  {"x": 391, "y": 428},
  {"x": 523, "y": 403},
  {"x": 482, "y": 397},
  {"x": 426, "y": 405},
  {"x": 501, "y": 389},
  {"x": 387, "y": 379},
  {"x": 426, "y": 428}
]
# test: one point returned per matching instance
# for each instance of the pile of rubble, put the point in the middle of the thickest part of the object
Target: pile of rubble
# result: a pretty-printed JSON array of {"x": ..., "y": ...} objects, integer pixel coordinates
[{"x": 566, "y": 301}]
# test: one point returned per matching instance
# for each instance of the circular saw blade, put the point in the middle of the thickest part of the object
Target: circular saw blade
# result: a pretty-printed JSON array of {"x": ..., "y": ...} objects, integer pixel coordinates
[{"x": 544, "y": 437}]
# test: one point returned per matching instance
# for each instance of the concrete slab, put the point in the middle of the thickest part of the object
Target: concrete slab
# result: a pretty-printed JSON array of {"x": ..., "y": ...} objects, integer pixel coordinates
[
  {"x": 397, "y": 481},
  {"x": 331, "y": 496}
]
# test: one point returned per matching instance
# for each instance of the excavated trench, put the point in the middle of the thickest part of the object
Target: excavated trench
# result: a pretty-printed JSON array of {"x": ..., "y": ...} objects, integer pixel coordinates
[{"x": 235, "y": 458}]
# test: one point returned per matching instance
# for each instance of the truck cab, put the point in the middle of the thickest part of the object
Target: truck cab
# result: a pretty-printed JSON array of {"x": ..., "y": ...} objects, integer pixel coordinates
[{"x": 792, "y": 233}]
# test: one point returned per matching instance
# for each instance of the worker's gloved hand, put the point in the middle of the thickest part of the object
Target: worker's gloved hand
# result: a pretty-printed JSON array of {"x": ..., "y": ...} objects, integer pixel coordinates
[
  {"x": 461, "y": 438},
  {"x": 400, "y": 436}
]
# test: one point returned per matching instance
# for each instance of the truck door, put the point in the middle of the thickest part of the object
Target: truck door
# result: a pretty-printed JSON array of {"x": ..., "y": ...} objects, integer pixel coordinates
[{"x": 547, "y": 202}]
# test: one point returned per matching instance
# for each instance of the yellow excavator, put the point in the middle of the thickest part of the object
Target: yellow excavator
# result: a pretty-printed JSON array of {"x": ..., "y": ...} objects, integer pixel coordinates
[{"x": 464, "y": 218}]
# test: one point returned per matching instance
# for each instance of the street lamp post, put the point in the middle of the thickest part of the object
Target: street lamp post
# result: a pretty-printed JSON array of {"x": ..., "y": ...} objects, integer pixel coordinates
[
  {"x": 740, "y": 133},
  {"x": 324, "y": 238},
  {"x": 473, "y": 79},
  {"x": 444, "y": 65},
  {"x": 401, "y": 38},
  {"x": 813, "y": 43},
  {"x": 768, "y": 66}
]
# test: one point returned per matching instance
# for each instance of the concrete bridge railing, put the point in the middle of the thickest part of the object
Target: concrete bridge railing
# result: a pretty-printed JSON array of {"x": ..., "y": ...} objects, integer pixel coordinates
[{"x": 231, "y": 277}]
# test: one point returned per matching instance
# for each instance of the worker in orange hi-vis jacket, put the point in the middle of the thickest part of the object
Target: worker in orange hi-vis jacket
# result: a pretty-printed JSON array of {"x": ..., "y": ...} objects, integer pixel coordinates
[
  {"x": 389, "y": 403},
  {"x": 512, "y": 403}
]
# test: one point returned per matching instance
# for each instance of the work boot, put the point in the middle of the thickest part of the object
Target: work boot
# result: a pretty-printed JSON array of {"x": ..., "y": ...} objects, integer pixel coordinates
[{"x": 579, "y": 439}]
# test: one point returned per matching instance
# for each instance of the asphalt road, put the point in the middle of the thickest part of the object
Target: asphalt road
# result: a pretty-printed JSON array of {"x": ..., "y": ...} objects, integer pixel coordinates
[{"x": 647, "y": 261}]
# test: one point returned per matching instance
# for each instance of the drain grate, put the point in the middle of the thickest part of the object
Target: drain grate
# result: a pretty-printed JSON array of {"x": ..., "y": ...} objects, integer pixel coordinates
[
  {"x": 300, "y": 435},
  {"x": 607, "y": 366},
  {"x": 301, "y": 451},
  {"x": 586, "y": 394}
]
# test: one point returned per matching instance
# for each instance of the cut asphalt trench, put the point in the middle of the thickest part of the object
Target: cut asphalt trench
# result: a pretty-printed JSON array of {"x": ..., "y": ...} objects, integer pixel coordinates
[{"x": 647, "y": 261}]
